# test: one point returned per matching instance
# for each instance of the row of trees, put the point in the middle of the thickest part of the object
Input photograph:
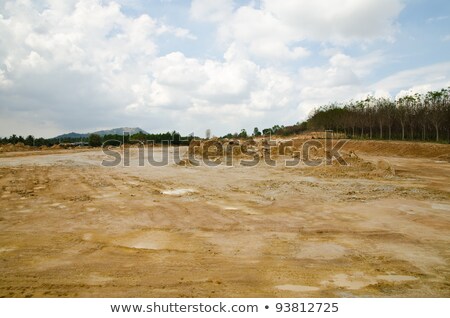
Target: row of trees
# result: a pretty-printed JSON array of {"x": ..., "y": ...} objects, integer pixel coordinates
[
  {"x": 275, "y": 130},
  {"x": 174, "y": 137},
  {"x": 29, "y": 141},
  {"x": 413, "y": 117},
  {"x": 97, "y": 140}
]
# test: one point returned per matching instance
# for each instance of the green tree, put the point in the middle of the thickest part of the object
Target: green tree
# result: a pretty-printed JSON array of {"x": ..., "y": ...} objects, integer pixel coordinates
[
  {"x": 13, "y": 139},
  {"x": 243, "y": 134},
  {"x": 256, "y": 132},
  {"x": 29, "y": 140},
  {"x": 95, "y": 140}
]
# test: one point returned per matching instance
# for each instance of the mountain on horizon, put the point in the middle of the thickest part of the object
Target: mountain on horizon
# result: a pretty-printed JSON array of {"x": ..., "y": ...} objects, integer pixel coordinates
[{"x": 114, "y": 131}]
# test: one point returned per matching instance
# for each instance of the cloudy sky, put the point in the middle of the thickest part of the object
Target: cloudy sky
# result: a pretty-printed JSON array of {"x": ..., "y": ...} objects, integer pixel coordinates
[{"x": 85, "y": 65}]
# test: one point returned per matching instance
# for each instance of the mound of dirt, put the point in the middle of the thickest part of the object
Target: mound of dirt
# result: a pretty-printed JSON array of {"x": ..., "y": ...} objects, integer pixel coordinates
[
  {"x": 384, "y": 169},
  {"x": 356, "y": 168},
  {"x": 195, "y": 147},
  {"x": 285, "y": 148},
  {"x": 184, "y": 163},
  {"x": 14, "y": 147},
  {"x": 399, "y": 148},
  {"x": 216, "y": 149}
]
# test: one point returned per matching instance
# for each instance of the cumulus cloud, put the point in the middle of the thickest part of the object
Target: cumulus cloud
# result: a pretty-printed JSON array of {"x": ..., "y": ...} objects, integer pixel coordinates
[
  {"x": 340, "y": 79},
  {"x": 85, "y": 65},
  {"x": 338, "y": 21},
  {"x": 261, "y": 35},
  {"x": 231, "y": 92},
  {"x": 211, "y": 11},
  {"x": 275, "y": 29},
  {"x": 418, "y": 80},
  {"x": 80, "y": 61}
]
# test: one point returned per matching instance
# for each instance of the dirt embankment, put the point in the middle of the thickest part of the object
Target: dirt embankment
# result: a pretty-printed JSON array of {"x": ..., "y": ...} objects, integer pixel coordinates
[{"x": 400, "y": 148}]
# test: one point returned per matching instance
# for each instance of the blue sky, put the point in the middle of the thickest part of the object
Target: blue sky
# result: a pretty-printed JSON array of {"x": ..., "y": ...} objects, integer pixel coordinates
[{"x": 85, "y": 65}]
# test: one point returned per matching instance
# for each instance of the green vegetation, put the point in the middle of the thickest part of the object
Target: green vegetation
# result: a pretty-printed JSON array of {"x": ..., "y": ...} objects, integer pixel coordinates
[
  {"x": 275, "y": 130},
  {"x": 96, "y": 140},
  {"x": 423, "y": 117},
  {"x": 412, "y": 117}
]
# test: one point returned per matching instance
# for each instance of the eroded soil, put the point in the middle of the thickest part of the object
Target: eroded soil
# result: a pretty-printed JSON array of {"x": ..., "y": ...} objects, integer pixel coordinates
[{"x": 72, "y": 228}]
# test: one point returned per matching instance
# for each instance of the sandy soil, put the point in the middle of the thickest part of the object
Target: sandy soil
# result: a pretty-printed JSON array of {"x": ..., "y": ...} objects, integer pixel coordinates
[{"x": 72, "y": 228}]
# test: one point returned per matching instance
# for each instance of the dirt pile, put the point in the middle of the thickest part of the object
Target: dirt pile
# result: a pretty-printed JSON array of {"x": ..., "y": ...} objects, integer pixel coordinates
[
  {"x": 286, "y": 148},
  {"x": 14, "y": 147},
  {"x": 223, "y": 149},
  {"x": 217, "y": 149},
  {"x": 399, "y": 148},
  {"x": 356, "y": 167}
]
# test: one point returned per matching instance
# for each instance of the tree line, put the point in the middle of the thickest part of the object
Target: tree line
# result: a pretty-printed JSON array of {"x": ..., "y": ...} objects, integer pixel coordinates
[
  {"x": 411, "y": 117},
  {"x": 275, "y": 130},
  {"x": 97, "y": 140},
  {"x": 174, "y": 137}
]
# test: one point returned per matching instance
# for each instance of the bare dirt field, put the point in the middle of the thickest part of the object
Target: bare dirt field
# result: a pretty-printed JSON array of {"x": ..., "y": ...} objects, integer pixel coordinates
[{"x": 379, "y": 227}]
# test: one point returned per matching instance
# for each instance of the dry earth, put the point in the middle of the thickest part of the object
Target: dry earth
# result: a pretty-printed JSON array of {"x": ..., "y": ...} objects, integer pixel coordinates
[{"x": 72, "y": 228}]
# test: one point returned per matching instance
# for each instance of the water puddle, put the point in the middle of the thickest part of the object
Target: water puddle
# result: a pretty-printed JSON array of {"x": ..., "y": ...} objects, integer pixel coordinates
[
  {"x": 178, "y": 192},
  {"x": 96, "y": 279},
  {"x": 6, "y": 249},
  {"x": 297, "y": 288},
  {"x": 320, "y": 250},
  {"x": 352, "y": 282},
  {"x": 437, "y": 206},
  {"x": 157, "y": 240},
  {"x": 396, "y": 278}
]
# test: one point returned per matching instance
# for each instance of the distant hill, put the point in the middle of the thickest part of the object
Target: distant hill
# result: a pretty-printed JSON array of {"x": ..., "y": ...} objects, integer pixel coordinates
[
  {"x": 72, "y": 135},
  {"x": 120, "y": 131},
  {"x": 115, "y": 131}
]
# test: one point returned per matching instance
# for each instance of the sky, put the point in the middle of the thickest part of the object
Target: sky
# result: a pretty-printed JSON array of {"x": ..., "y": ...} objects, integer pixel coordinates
[{"x": 163, "y": 65}]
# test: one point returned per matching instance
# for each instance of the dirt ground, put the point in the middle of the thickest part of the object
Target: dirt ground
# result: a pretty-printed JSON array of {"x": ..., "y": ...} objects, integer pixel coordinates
[{"x": 70, "y": 227}]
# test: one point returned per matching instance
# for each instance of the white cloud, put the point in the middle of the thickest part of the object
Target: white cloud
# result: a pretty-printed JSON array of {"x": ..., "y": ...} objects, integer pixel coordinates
[
  {"x": 84, "y": 64},
  {"x": 4, "y": 82},
  {"x": 340, "y": 80},
  {"x": 77, "y": 63},
  {"x": 179, "y": 81},
  {"x": 421, "y": 79},
  {"x": 208, "y": 93},
  {"x": 337, "y": 21},
  {"x": 261, "y": 35},
  {"x": 212, "y": 11},
  {"x": 177, "y": 71},
  {"x": 274, "y": 30},
  {"x": 34, "y": 60}
]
